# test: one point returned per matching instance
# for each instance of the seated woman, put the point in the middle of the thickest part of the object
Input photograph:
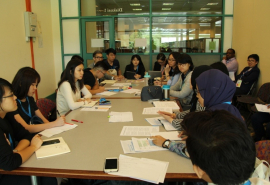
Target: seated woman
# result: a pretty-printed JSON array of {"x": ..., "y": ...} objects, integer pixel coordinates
[
  {"x": 161, "y": 63},
  {"x": 171, "y": 70},
  {"x": 11, "y": 132},
  {"x": 28, "y": 115},
  {"x": 136, "y": 66},
  {"x": 70, "y": 88},
  {"x": 181, "y": 89},
  {"x": 214, "y": 91},
  {"x": 248, "y": 75}
]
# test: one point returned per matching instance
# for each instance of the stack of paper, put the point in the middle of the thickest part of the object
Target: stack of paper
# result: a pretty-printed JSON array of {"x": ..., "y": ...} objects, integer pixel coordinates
[
  {"x": 91, "y": 104},
  {"x": 106, "y": 93},
  {"x": 120, "y": 117},
  {"x": 52, "y": 149},
  {"x": 140, "y": 145},
  {"x": 56, "y": 130},
  {"x": 154, "y": 121},
  {"x": 138, "y": 130},
  {"x": 167, "y": 125},
  {"x": 131, "y": 91},
  {"x": 170, "y": 104},
  {"x": 154, "y": 110},
  {"x": 262, "y": 108},
  {"x": 149, "y": 170},
  {"x": 97, "y": 108},
  {"x": 108, "y": 81},
  {"x": 121, "y": 84}
]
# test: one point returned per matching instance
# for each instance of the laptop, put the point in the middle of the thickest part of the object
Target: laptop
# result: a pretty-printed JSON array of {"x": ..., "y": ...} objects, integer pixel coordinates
[
  {"x": 154, "y": 74},
  {"x": 130, "y": 74}
]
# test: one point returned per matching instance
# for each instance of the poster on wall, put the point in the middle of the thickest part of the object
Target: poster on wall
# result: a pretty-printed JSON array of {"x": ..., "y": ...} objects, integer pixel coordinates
[{"x": 97, "y": 43}]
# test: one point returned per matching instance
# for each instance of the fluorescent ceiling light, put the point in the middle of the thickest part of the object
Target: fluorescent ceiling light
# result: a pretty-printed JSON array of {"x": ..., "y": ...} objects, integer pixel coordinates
[
  {"x": 137, "y": 9},
  {"x": 168, "y": 4},
  {"x": 135, "y": 4},
  {"x": 166, "y": 9},
  {"x": 205, "y": 9},
  {"x": 212, "y": 3}
]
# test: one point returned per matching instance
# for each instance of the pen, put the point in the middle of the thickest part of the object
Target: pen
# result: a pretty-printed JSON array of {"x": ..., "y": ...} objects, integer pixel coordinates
[
  {"x": 100, "y": 108},
  {"x": 160, "y": 122},
  {"x": 58, "y": 112},
  {"x": 69, "y": 123},
  {"x": 76, "y": 120}
]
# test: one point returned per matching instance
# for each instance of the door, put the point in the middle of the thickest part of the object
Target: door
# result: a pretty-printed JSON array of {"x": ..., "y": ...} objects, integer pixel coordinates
[{"x": 97, "y": 34}]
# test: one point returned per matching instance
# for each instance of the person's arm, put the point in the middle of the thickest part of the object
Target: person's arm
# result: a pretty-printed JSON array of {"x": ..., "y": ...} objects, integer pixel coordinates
[
  {"x": 224, "y": 61},
  {"x": 185, "y": 91},
  {"x": 86, "y": 93},
  {"x": 39, "y": 127},
  {"x": 96, "y": 89},
  {"x": 40, "y": 115},
  {"x": 175, "y": 79},
  {"x": 251, "y": 76},
  {"x": 232, "y": 65},
  {"x": 22, "y": 145}
]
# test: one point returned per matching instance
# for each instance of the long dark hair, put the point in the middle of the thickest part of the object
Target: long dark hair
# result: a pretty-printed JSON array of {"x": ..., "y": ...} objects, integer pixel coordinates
[
  {"x": 140, "y": 61},
  {"x": 68, "y": 75},
  {"x": 175, "y": 55},
  {"x": 23, "y": 80},
  {"x": 4, "y": 83}
]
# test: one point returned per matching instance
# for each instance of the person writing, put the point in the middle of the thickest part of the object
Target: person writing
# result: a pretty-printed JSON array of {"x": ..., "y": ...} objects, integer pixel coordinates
[
  {"x": 136, "y": 66},
  {"x": 28, "y": 115},
  {"x": 161, "y": 63},
  {"x": 70, "y": 88}
]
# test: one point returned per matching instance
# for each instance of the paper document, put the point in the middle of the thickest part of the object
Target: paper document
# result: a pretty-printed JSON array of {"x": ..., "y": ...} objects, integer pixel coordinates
[
  {"x": 106, "y": 93},
  {"x": 97, "y": 108},
  {"x": 262, "y": 108},
  {"x": 130, "y": 91},
  {"x": 145, "y": 144},
  {"x": 56, "y": 130},
  {"x": 154, "y": 110},
  {"x": 91, "y": 104},
  {"x": 149, "y": 170},
  {"x": 111, "y": 88},
  {"x": 167, "y": 125},
  {"x": 231, "y": 74},
  {"x": 120, "y": 116},
  {"x": 171, "y": 104},
  {"x": 128, "y": 147},
  {"x": 109, "y": 81},
  {"x": 154, "y": 121},
  {"x": 52, "y": 149},
  {"x": 121, "y": 84},
  {"x": 167, "y": 135},
  {"x": 138, "y": 130}
]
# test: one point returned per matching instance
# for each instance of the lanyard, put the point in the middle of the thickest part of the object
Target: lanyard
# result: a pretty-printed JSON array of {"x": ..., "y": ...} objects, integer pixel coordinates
[
  {"x": 162, "y": 70},
  {"x": 247, "y": 183},
  {"x": 228, "y": 102},
  {"x": 10, "y": 141},
  {"x": 29, "y": 109},
  {"x": 137, "y": 69}
]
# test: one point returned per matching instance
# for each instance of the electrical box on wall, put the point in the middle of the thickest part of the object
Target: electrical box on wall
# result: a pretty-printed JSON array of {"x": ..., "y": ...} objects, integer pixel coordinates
[{"x": 30, "y": 23}]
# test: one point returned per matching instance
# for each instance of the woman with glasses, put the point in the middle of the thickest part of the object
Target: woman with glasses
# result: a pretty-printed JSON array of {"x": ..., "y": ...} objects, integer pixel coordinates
[
  {"x": 28, "y": 115},
  {"x": 171, "y": 71},
  {"x": 248, "y": 75},
  {"x": 136, "y": 66},
  {"x": 181, "y": 89},
  {"x": 16, "y": 143},
  {"x": 71, "y": 87}
]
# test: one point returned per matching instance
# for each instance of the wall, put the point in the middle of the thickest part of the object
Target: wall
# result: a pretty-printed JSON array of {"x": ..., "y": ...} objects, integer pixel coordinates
[
  {"x": 15, "y": 51},
  {"x": 250, "y": 34}
]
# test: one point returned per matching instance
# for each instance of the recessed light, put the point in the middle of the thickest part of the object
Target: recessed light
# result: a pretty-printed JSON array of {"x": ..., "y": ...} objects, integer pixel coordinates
[
  {"x": 212, "y": 3},
  {"x": 137, "y": 9},
  {"x": 205, "y": 8},
  {"x": 168, "y": 4},
  {"x": 135, "y": 4},
  {"x": 166, "y": 9}
]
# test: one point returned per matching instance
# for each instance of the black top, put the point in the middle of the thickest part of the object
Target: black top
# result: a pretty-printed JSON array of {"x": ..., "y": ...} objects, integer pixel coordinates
[
  {"x": 89, "y": 78},
  {"x": 115, "y": 65},
  {"x": 15, "y": 132},
  {"x": 25, "y": 117},
  {"x": 157, "y": 66},
  {"x": 248, "y": 77},
  {"x": 140, "y": 71}
]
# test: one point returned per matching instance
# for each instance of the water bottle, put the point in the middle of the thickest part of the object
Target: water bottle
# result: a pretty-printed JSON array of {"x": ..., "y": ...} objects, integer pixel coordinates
[
  {"x": 166, "y": 92},
  {"x": 146, "y": 78}
]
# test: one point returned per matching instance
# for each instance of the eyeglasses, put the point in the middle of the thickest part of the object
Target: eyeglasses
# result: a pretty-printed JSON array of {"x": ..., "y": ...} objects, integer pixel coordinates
[
  {"x": 102, "y": 72},
  {"x": 99, "y": 57},
  {"x": 172, "y": 60},
  {"x": 251, "y": 61},
  {"x": 182, "y": 65},
  {"x": 8, "y": 96}
]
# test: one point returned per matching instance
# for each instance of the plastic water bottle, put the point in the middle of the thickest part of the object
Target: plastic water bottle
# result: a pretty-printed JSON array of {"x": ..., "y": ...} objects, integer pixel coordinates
[
  {"x": 146, "y": 78},
  {"x": 166, "y": 92}
]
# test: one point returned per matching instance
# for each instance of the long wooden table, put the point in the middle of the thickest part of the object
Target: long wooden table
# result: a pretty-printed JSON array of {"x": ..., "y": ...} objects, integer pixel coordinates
[{"x": 94, "y": 140}]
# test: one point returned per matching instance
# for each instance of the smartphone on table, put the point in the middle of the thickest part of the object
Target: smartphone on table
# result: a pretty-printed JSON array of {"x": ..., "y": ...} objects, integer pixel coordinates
[
  {"x": 111, "y": 164},
  {"x": 50, "y": 142}
]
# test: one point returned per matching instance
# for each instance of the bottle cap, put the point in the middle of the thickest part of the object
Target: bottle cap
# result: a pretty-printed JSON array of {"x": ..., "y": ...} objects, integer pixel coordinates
[{"x": 147, "y": 75}]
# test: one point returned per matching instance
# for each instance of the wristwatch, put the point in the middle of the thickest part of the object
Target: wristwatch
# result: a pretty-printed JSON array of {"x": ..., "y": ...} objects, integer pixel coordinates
[{"x": 166, "y": 143}]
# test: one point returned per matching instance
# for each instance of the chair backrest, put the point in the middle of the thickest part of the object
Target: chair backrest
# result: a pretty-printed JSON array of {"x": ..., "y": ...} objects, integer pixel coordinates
[
  {"x": 264, "y": 92},
  {"x": 252, "y": 88},
  {"x": 45, "y": 106}
]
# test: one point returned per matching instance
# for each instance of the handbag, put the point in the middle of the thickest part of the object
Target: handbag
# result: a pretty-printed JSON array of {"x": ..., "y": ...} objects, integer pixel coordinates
[{"x": 151, "y": 92}]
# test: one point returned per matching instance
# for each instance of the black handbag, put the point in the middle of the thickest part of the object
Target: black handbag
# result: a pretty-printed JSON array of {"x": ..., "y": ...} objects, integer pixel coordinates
[{"x": 151, "y": 92}]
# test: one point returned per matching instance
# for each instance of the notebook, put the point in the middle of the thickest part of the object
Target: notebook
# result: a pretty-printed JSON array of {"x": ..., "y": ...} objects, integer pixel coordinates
[
  {"x": 130, "y": 75},
  {"x": 91, "y": 104},
  {"x": 154, "y": 74}
]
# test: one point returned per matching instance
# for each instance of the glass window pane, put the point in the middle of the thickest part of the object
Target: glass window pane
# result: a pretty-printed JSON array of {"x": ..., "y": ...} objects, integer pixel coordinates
[
  {"x": 228, "y": 27},
  {"x": 69, "y": 8},
  {"x": 187, "y": 7},
  {"x": 132, "y": 35},
  {"x": 185, "y": 34},
  {"x": 71, "y": 37},
  {"x": 116, "y": 7}
]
